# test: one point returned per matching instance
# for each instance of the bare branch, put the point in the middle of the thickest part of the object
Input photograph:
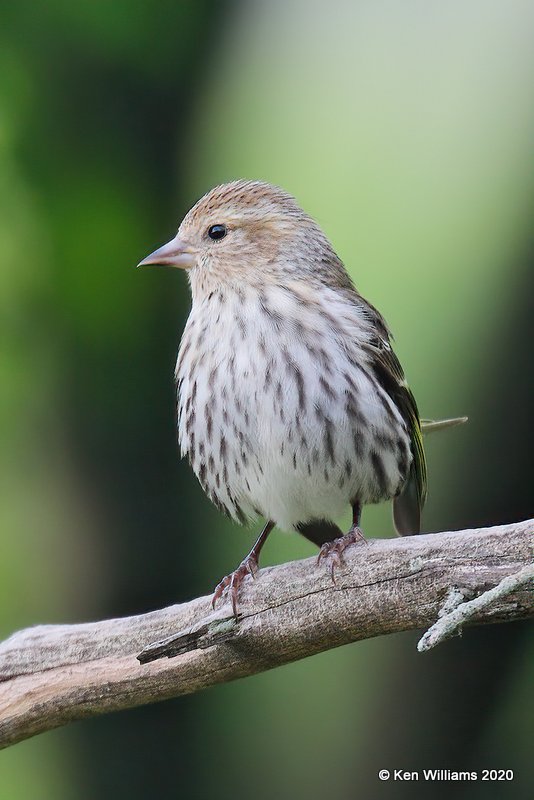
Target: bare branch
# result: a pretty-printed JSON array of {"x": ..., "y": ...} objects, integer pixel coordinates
[
  {"x": 52, "y": 674},
  {"x": 451, "y": 620}
]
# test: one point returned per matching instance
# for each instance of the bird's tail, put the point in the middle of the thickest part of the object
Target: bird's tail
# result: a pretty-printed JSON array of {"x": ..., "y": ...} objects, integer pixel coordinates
[{"x": 407, "y": 507}]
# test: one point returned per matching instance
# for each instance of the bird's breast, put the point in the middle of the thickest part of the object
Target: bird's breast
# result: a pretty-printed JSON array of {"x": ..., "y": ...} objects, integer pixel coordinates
[{"x": 278, "y": 413}]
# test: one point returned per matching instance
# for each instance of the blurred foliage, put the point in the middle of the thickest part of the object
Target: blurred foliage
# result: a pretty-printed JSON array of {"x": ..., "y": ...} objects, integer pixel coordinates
[{"x": 406, "y": 129}]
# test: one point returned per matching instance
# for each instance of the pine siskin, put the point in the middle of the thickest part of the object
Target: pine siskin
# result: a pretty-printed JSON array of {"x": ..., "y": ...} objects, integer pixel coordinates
[{"x": 291, "y": 402}]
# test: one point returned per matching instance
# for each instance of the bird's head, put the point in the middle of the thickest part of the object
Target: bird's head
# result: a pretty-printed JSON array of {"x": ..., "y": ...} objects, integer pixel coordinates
[{"x": 248, "y": 231}]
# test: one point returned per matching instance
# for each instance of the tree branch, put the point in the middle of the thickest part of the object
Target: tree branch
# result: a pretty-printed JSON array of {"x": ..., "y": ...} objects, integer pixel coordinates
[
  {"x": 52, "y": 674},
  {"x": 452, "y": 618}
]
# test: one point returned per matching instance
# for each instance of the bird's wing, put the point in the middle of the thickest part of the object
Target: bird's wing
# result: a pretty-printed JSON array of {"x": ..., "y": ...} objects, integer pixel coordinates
[{"x": 388, "y": 371}]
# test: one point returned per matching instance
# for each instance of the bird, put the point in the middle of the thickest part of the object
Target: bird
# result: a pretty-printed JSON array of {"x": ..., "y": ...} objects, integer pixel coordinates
[{"x": 291, "y": 403}]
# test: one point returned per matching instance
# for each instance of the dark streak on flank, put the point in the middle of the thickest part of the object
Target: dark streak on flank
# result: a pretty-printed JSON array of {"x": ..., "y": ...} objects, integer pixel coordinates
[
  {"x": 329, "y": 439},
  {"x": 385, "y": 441},
  {"x": 327, "y": 389},
  {"x": 295, "y": 372},
  {"x": 321, "y": 355},
  {"x": 352, "y": 410},
  {"x": 209, "y": 423},
  {"x": 358, "y": 441},
  {"x": 380, "y": 472}
]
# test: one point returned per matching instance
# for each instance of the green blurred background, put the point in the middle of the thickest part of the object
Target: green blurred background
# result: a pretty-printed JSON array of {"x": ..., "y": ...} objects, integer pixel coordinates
[{"x": 407, "y": 130}]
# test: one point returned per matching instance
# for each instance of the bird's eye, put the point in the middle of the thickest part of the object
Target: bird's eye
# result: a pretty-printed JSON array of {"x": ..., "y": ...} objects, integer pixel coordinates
[{"x": 217, "y": 232}]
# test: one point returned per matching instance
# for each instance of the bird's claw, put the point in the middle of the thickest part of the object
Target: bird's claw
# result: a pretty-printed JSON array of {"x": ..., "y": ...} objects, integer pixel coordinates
[
  {"x": 231, "y": 584},
  {"x": 334, "y": 552}
]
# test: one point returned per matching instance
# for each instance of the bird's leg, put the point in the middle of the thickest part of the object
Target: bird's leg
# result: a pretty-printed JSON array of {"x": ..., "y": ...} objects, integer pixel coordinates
[
  {"x": 335, "y": 549},
  {"x": 355, "y": 530},
  {"x": 249, "y": 566}
]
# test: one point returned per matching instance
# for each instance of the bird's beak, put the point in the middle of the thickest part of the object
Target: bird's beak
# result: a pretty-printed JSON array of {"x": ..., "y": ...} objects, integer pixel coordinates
[{"x": 176, "y": 253}]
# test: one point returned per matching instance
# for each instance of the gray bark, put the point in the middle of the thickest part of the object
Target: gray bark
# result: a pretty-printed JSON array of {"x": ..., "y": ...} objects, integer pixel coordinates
[{"x": 52, "y": 674}]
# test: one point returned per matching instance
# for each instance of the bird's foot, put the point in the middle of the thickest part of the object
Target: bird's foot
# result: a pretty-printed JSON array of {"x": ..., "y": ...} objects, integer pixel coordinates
[
  {"x": 334, "y": 551},
  {"x": 231, "y": 584}
]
